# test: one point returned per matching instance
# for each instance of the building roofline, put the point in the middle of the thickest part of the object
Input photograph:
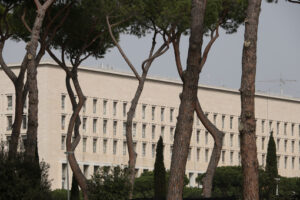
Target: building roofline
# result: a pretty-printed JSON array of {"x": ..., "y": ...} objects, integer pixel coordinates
[{"x": 164, "y": 80}]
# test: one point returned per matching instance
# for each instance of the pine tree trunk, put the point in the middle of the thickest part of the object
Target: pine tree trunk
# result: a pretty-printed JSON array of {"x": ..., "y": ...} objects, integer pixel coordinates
[
  {"x": 215, "y": 155},
  {"x": 32, "y": 87},
  {"x": 247, "y": 126},
  {"x": 184, "y": 126},
  {"x": 131, "y": 152}
]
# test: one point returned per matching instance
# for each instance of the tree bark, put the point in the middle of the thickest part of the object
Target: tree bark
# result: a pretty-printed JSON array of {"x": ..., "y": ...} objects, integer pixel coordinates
[
  {"x": 32, "y": 80},
  {"x": 75, "y": 122},
  {"x": 248, "y": 126},
  {"x": 215, "y": 156},
  {"x": 187, "y": 106}
]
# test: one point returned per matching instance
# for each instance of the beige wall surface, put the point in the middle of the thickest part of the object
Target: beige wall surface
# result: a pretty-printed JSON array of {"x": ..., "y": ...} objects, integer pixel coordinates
[{"x": 99, "y": 147}]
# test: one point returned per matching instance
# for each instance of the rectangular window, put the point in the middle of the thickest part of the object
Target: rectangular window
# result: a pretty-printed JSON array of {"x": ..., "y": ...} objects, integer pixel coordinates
[
  {"x": 94, "y": 145},
  {"x": 63, "y": 144},
  {"x": 63, "y": 99},
  {"x": 263, "y": 143},
  {"x": 153, "y": 132},
  {"x": 292, "y": 131},
  {"x": 162, "y": 131},
  {"x": 293, "y": 162},
  {"x": 285, "y": 127},
  {"x": 198, "y": 154},
  {"x": 144, "y": 112},
  {"x": 124, "y": 128},
  {"x": 299, "y": 130},
  {"x": 206, "y": 155},
  {"x": 153, "y": 150},
  {"x": 134, "y": 129},
  {"x": 171, "y": 151},
  {"x": 24, "y": 122},
  {"x": 153, "y": 112},
  {"x": 144, "y": 131},
  {"x": 223, "y": 121},
  {"x": 104, "y": 126},
  {"x": 215, "y": 119},
  {"x": 263, "y": 160},
  {"x": 84, "y": 123},
  {"x": 94, "y": 105},
  {"x": 115, "y": 125},
  {"x": 278, "y": 161},
  {"x": 115, "y": 108},
  {"x": 124, "y": 148},
  {"x": 239, "y": 140},
  {"x": 162, "y": 114},
  {"x": 9, "y": 102},
  {"x": 171, "y": 133},
  {"x": 285, "y": 162},
  {"x": 104, "y": 146},
  {"x": 124, "y": 109},
  {"x": 63, "y": 122},
  {"x": 104, "y": 107},
  {"x": 206, "y": 137},
  {"x": 144, "y": 149},
  {"x": 231, "y": 121},
  {"x": 84, "y": 144},
  {"x": 198, "y": 136},
  {"x": 115, "y": 147},
  {"x": 299, "y": 147},
  {"x": 86, "y": 170},
  {"x": 270, "y": 125},
  {"x": 84, "y": 107},
  {"x": 285, "y": 145},
  {"x": 63, "y": 176},
  {"x": 277, "y": 128},
  {"x": 278, "y": 144},
  {"x": 171, "y": 114},
  {"x": 231, "y": 140},
  {"x": 94, "y": 125},
  {"x": 190, "y": 152},
  {"x": 231, "y": 157},
  {"x": 223, "y": 157},
  {"x": 293, "y": 146},
  {"x": 263, "y": 126}
]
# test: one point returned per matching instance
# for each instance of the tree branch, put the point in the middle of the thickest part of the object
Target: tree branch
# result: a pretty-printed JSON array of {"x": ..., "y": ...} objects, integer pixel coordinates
[
  {"x": 207, "y": 48},
  {"x": 293, "y": 1},
  {"x": 177, "y": 56},
  {"x": 11, "y": 75},
  {"x": 24, "y": 21},
  {"x": 38, "y": 4},
  {"x": 121, "y": 51}
]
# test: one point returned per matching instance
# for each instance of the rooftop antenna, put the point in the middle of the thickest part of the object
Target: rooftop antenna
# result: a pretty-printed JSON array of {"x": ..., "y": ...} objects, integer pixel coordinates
[{"x": 281, "y": 82}]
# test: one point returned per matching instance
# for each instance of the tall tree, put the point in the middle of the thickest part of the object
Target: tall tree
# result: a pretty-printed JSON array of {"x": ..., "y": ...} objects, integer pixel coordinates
[
  {"x": 228, "y": 15},
  {"x": 247, "y": 90},
  {"x": 82, "y": 36},
  {"x": 271, "y": 167},
  {"x": 188, "y": 97},
  {"x": 159, "y": 172},
  {"x": 148, "y": 16},
  {"x": 13, "y": 26}
]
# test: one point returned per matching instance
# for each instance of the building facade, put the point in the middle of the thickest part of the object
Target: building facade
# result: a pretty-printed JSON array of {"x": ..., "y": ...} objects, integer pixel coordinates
[{"x": 103, "y": 116}]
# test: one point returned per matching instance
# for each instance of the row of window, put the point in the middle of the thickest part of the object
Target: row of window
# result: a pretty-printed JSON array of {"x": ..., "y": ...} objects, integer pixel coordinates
[
  {"x": 124, "y": 109},
  {"x": 9, "y": 119}
]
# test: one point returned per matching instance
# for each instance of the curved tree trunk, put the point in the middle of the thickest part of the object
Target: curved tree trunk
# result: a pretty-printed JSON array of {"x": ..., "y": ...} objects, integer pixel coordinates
[
  {"x": 75, "y": 122},
  {"x": 184, "y": 126},
  {"x": 248, "y": 126},
  {"x": 215, "y": 155}
]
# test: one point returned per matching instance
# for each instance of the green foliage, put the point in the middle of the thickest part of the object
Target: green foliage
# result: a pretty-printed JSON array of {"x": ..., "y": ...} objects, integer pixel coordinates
[
  {"x": 143, "y": 186},
  {"x": 159, "y": 172},
  {"x": 192, "y": 192},
  {"x": 20, "y": 179},
  {"x": 109, "y": 184},
  {"x": 271, "y": 168}
]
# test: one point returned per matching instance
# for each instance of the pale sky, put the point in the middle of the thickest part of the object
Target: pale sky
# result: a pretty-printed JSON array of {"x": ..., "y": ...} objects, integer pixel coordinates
[{"x": 278, "y": 54}]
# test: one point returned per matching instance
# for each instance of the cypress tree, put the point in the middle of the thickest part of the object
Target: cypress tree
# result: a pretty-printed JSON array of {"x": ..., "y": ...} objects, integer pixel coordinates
[
  {"x": 271, "y": 167},
  {"x": 159, "y": 172}
]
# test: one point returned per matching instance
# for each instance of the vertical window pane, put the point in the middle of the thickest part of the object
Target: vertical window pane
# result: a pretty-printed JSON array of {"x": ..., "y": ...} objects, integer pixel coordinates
[
  {"x": 94, "y": 105},
  {"x": 153, "y": 112},
  {"x": 124, "y": 109},
  {"x": 115, "y": 125},
  {"x": 115, "y": 108},
  {"x": 9, "y": 102},
  {"x": 104, "y": 107},
  {"x": 84, "y": 144},
  {"x": 63, "y": 98},
  {"x": 94, "y": 145}
]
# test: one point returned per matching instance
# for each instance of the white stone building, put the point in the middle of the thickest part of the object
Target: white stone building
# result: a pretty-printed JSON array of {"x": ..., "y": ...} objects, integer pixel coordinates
[{"x": 108, "y": 99}]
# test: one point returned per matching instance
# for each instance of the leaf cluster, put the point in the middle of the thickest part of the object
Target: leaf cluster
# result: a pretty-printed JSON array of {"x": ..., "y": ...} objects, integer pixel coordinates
[{"x": 109, "y": 184}]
